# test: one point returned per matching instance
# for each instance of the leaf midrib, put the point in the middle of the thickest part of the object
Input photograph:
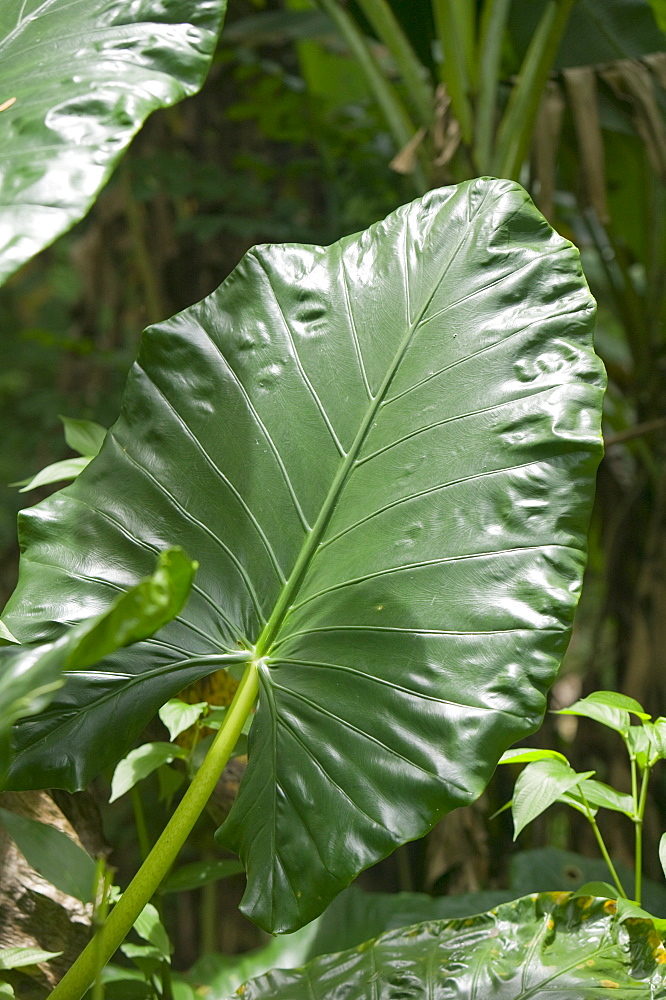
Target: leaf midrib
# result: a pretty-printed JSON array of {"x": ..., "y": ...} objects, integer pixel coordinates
[{"x": 313, "y": 539}]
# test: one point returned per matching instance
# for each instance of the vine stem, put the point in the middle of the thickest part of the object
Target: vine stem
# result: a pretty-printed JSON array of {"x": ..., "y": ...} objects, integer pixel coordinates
[
  {"x": 602, "y": 845},
  {"x": 640, "y": 815},
  {"x": 76, "y": 981}
]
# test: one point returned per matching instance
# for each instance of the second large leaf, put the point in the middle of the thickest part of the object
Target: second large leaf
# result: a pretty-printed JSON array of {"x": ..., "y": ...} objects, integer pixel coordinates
[{"x": 381, "y": 454}]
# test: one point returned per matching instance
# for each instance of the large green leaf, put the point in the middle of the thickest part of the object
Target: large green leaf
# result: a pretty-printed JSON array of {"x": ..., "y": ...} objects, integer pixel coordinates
[
  {"x": 382, "y": 456},
  {"x": 536, "y": 947},
  {"x": 84, "y": 75}
]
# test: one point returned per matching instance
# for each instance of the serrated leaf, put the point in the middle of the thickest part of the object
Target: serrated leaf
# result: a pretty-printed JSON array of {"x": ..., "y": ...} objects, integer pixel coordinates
[
  {"x": 591, "y": 708},
  {"x": 199, "y": 873},
  {"x": 30, "y": 675},
  {"x": 538, "y": 786},
  {"x": 141, "y": 762},
  {"x": 84, "y": 436},
  {"x": 522, "y": 755},
  {"x": 381, "y": 453},
  {"x": 17, "y": 958},
  {"x": 68, "y": 468},
  {"x": 83, "y": 77},
  {"x": 539, "y": 946},
  {"x": 53, "y": 854},
  {"x": 178, "y": 715}
]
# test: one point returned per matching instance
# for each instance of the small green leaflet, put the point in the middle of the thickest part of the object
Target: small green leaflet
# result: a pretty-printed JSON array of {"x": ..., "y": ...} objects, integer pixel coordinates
[
  {"x": 178, "y": 715},
  {"x": 609, "y": 708},
  {"x": 84, "y": 436},
  {"x": 149, "y": 926},
  {"x": 141, "y": 762},
  {"x": 522, "y": 755},
  {"x": 17, "y": 958},
  {"x": 68, "y": 468},
  {"x": 539, "y": 786}
]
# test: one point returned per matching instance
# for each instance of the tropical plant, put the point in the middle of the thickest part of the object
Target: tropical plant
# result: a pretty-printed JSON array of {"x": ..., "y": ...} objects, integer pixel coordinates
[
  {"x": 548, "y": 778},
  {"x": 331, "y": 569},
  {"x": 381, "y": 454}
]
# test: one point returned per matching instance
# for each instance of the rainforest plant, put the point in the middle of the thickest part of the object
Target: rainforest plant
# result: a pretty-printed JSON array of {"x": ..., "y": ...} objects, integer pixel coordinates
[
  {"x": 548, "y": 778},
  {"x": 372, "y": 450},
  {"x": 381, "y": 456}
]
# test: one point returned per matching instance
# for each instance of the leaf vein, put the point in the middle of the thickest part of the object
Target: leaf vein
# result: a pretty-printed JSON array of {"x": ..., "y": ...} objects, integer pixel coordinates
[
  {"x": 209, "y": 461},
  {"x": 271, "y": 443},
  {"x": 354, "y": 330},
  {"x": 290, "y": 336}
]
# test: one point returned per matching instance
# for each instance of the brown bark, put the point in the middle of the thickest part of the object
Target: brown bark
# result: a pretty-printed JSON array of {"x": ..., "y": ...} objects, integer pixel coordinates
[{"x": 33, "y": 913}]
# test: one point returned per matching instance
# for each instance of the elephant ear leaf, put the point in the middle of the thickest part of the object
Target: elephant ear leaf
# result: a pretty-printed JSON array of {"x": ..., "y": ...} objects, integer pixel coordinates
[
  {"x": 77, "y": 81},
  {"x": 550, "y": 945},
  {"x": 381, "y": 454}
]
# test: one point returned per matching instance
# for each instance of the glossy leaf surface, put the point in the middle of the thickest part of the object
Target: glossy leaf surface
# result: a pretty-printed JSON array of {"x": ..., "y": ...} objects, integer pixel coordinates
[
  {"x": 538, "y": 946},
  {"x": 83, "y": 77},
  {"x": 381, "y": 454},
  {"x": 523, "y": 755}
]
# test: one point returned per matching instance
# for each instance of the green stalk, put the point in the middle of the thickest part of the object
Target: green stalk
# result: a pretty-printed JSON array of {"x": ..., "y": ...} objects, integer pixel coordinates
[
  {"x": 602, "y": 846},
  {"x": 140, "y": 823},
  {"x": 455, "y": 22},
  {"x": 640, "y": 814},
  {"x": 414, "y": 75},
  {"x": 144, "y": 884},
  {"x": 490, "y": 57},
  {"x": 392, "y": 108},
  {"x": 100, "y": 911},
  {"x": 515, "y": 130}
]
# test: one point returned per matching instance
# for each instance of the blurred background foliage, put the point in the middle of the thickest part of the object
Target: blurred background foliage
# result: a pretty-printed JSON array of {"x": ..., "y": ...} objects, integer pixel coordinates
[{"x": 317, "y": 119}]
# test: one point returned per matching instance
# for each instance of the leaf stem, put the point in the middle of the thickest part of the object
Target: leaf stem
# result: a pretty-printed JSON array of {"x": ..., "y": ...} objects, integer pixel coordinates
[
  {"x": 140, "y": 823},
  {"x": 142, "y": 887},
  {"x": 638, "y": 823},
  {"x": 602, "y": 846}
]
